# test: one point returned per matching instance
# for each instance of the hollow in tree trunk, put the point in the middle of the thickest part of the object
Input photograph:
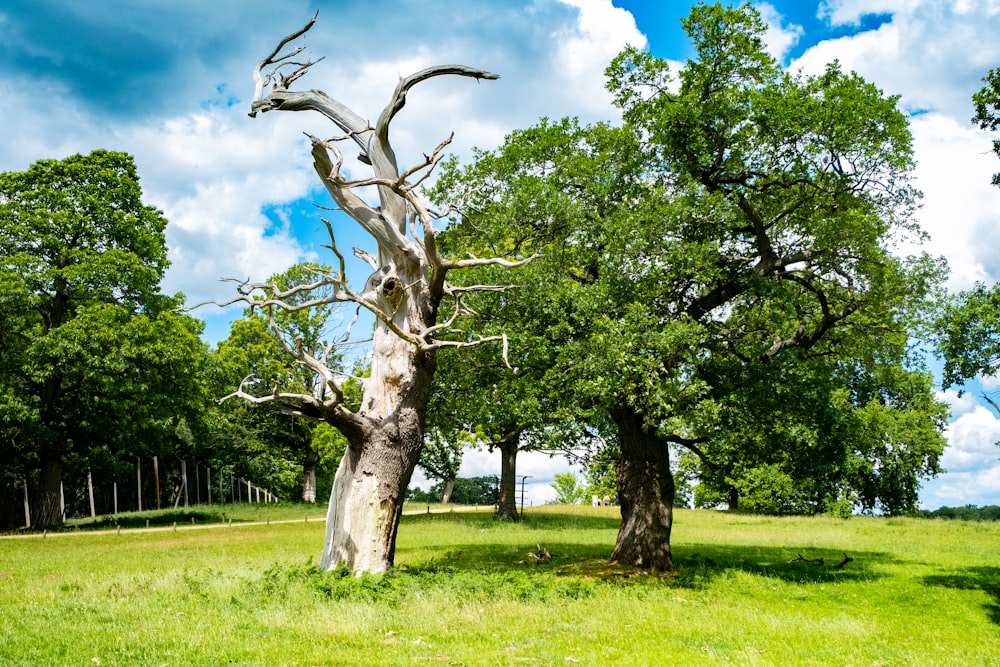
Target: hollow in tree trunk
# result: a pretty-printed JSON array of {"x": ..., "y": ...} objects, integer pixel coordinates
[{"x": 645, "y": 493}]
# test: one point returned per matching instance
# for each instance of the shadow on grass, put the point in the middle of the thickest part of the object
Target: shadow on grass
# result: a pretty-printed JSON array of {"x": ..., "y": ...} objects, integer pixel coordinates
[
  {"x": 986, "y": 579},
  {"x": 158, "y": 518},
  {"x": 696, "y": 565}
]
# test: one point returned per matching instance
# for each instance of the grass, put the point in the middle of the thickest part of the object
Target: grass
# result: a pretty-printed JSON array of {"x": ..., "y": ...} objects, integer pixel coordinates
[{"x": 919, "y": 592}]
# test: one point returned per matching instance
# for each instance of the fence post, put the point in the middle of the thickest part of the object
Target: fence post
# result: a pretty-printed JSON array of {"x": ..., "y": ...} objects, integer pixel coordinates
[
  {"x": 208, "y": 483},
  {"x": 27, "y": 509},
  {"x": 62, "y": 502},
  {"x": 114, "y": 490},
  {"x": 138, "y": 478},
  {"x": 197, "y": 484},
  {"x": 90, "y": 492},
  {"x": 184, "y": 480},
  {"x": 156, "y": 475}
]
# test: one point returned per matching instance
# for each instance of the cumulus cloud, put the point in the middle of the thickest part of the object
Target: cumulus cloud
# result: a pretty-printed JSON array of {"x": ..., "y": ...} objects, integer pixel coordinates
[
  {"x": 972, "y": 461},
  {"x": 780, "y": 38},
  {"x": 601, "y": 32},
  {"x": 973, "y": 439},
  {"x": 933, "y": 54},
  {"x": 174, "y": 85},
  {"x": 960, "y": 206},
  {"x": 958, "y": 405}
]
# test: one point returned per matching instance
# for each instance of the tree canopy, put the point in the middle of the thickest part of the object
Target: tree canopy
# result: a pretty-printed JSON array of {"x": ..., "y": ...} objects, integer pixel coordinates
[
  {"x": 96, "y": 361},
  {"x": 737, "y": 230}
]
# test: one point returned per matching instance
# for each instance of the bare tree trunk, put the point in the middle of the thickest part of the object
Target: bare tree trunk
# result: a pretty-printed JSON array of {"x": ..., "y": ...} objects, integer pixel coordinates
[
  {"x": 366, "y": 501},
  {"x": 309, "y": 475},
  {"x": 645, "y": 493},
  {"x": 403, "y": 292},
  {"x": 449, "y": 488},
  {"x": 734, "y": 498},
  {"x": 507, "y": 506},
  {"x": 47, "y": 513}
]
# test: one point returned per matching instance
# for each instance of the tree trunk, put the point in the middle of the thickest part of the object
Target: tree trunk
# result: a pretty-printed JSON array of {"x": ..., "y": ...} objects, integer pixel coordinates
[
  {"x": 47, "y": 512},
  {"x": 384, "y": 445},
  {"x": 734, "y": 499},
  {"x": 449, "y": 486},
  {"x": 507, "y": 505},
  {"x": 645, "y": 493},
  {"x": 309, "y": 475}
]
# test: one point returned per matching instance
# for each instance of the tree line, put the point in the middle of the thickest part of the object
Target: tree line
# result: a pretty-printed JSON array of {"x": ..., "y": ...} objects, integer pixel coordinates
[{"x": 710, "y": 290}]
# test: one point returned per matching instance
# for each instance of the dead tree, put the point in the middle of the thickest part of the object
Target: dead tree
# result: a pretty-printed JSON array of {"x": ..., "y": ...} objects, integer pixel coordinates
[{"x": 405, "y": 291}]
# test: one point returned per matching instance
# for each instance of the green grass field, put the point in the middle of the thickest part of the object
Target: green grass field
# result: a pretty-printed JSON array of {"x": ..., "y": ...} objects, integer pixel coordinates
[{"x": 918, "y": 592}]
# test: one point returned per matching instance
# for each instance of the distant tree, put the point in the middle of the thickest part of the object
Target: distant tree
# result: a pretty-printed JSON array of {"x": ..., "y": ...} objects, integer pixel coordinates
[
  {"x": 95, "y": 359},
  {"x": 474, "y": 491},
  {"x": 441, "y": 458},
  {"x": 258, "y": 354},
  {"x": 568, "y": 490},
  {"x": 465, "y": 491}
]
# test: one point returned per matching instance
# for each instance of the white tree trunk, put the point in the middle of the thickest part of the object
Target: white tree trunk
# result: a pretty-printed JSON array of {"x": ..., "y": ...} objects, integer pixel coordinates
[
  {"x": 404, "y": 293},
  {"x": 309, "y": 485},
  {"x": 449, "y": 487}
]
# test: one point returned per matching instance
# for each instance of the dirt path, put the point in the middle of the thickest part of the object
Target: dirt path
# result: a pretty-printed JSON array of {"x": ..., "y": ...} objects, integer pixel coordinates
[{"x": 206, "y": 526}]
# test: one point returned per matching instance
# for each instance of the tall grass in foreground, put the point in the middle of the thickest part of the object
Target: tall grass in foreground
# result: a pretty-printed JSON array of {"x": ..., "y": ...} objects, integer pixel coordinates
[{"x": 466, "y": 592}]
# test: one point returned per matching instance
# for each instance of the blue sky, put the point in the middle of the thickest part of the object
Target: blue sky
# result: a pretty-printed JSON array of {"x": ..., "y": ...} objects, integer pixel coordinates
[{"x": 169, "y": 81}]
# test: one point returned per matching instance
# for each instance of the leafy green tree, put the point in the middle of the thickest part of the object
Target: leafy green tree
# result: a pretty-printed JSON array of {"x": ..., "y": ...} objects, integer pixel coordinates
[
  {"x": 258, "y": 353},
  {"x": 740, "y": 222},
  {"x": 441, "y": 458},
  {"x": 987, "y": 105},
  {"x": 968, "y": 328},
  {"x": 568, "y": 490},
  {"x": 94, "y": 357}
]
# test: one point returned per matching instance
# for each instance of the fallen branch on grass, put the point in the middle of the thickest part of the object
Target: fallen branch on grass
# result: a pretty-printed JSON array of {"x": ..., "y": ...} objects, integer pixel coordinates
[
  {"x": 819, "y": 561},
  {"x": 841, "y": 564},
  {"x": 798, "y": 557}
]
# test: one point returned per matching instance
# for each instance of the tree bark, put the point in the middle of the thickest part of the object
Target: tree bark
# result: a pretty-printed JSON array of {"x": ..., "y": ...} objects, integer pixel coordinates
[
  {"x": 47, "y": 513},
  {"x": 645, "y": 493},
  {"x": 734, "y": 499},
  {"x": 384, "y": 442},
  {"x": 449, "y": 487},
  {"x": 404, "y": 292},
  {"x": 309, "y": 475},
  {"x": 507, "y": 504}
]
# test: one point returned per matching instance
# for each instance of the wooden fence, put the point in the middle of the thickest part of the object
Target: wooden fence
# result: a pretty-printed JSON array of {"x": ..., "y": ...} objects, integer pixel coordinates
[{"x": 150, "y": 484}]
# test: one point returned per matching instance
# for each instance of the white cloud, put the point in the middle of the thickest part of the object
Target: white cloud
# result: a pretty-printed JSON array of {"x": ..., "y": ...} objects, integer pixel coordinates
[
  {"x": 212, "y": 173},
  {"x": 960, "y": 207},
  {"x": 989, "y": 382},
  {"x": 972, "y": 461},
  {"x": 602, "y": 31},
  {"x": 958, "y": 405},
  {"x": 932, "y": 53},
  {"x": 849, "y": 12},
  {"x": 972, "y": 441},
  {"x": 779, "y": 38}
]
